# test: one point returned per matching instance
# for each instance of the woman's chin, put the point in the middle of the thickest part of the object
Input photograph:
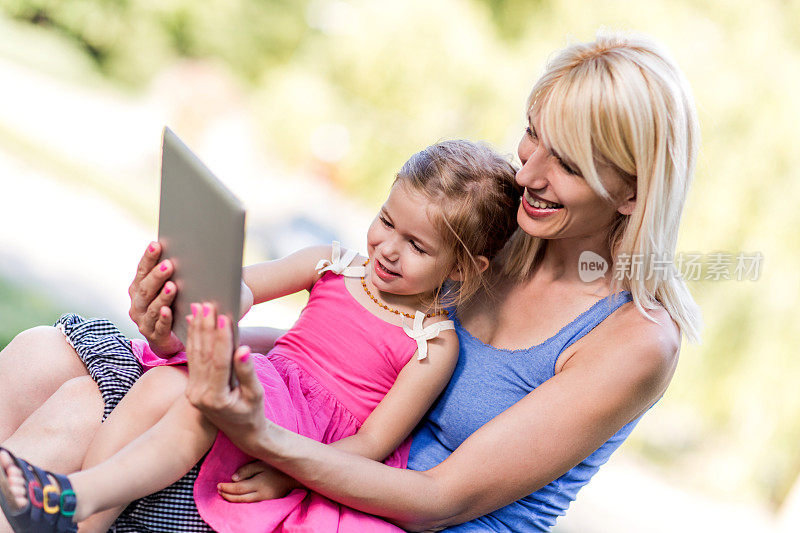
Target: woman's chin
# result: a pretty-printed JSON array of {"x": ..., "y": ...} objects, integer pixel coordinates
[{"x": 539, "y": 228}]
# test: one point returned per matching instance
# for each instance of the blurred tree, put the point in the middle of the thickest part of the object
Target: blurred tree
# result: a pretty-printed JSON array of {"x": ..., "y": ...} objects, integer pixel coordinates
[
  {"x": 512, "y": 17},
  {"x": 131, "y": 40}
]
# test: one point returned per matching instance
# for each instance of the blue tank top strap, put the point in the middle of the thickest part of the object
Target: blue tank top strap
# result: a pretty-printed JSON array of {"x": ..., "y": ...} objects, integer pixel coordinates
[{"x": 588, "y": 320}]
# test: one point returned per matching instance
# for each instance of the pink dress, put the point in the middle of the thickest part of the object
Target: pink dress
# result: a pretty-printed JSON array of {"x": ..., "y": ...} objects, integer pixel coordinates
[{"x": 322, "y": 379}]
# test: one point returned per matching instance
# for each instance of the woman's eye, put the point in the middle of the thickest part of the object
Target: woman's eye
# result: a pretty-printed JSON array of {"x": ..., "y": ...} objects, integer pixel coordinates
[
  {"x": 529, "y": 131},
  {"x": 386, "y": 222},
  {"x": 568, "y": 168}
]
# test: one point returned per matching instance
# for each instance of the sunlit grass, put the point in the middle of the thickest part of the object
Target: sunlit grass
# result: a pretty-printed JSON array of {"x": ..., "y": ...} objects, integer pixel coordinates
[{"x": 23, "y": 308}]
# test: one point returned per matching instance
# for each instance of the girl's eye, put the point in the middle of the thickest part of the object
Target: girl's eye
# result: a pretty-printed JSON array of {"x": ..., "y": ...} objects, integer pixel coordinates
[
  {"x": 386, "y": 222},
  {"x": 417, "y": 248}
]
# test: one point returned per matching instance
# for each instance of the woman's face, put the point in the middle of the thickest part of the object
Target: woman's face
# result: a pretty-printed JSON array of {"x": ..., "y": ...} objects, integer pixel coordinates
[{"x": 557, "y": 202}]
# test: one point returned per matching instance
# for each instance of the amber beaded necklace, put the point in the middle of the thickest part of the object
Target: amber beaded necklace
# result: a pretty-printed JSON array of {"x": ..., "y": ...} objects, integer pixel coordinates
[{"x": 392, "y": 309}]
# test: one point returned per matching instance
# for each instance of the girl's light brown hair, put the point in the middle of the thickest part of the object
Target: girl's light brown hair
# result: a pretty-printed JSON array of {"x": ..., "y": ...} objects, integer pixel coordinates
[{"x": 474, "y": 199}]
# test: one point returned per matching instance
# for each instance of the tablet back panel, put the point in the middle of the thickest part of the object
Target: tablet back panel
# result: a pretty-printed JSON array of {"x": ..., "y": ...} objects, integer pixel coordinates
[{"x": 201, "y": 229}]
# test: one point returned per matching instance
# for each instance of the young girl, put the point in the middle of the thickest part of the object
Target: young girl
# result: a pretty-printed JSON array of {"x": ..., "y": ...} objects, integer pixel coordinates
[{"x": 369, "y": 354}]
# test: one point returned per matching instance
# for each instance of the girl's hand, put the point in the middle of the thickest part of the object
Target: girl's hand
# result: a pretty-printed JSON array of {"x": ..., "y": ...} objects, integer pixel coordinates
[
  {"x": 238, "y": 412},
  {"x": 255, "y": 482},
  {"x": 151, "y": 295}
]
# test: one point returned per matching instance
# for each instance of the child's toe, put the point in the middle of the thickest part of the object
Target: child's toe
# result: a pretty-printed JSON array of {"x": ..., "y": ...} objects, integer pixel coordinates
[
  {"x": 5, "y": 459},
  {"x": 19, "y": 493}
]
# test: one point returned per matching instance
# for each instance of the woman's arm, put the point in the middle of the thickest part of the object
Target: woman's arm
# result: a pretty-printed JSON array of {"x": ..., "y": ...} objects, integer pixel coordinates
[
  {"x": 260, "y": 339},
  {"x": 604, "y": 385},
  {"x": 416, "y": 388}
]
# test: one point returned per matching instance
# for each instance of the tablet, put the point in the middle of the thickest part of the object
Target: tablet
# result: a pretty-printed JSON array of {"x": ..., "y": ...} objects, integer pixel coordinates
[{"x": 201, "y": 230}]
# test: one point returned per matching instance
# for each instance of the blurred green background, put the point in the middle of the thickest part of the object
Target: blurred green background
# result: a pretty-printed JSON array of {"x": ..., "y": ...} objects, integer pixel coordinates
[{"x": 344, "y": 91}]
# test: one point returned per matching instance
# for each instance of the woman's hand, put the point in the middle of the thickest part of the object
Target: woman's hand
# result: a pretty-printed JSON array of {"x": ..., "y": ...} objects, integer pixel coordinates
[
  {"x": 255, "y": 482},
  {"x": 239, "y": 411},
  {"x": 151, "y": 296}
]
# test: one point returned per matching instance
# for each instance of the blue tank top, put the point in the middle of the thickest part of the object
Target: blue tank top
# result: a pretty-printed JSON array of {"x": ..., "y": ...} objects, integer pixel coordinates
[{"x": 487, "y": 381}]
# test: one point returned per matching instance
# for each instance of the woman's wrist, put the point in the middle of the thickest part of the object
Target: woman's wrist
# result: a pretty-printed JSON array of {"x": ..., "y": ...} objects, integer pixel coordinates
[{"x": 274, "y": 444}]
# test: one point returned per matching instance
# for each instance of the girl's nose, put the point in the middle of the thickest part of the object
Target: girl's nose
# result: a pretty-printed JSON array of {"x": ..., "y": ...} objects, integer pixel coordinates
[{"x": 390, "y": 249}]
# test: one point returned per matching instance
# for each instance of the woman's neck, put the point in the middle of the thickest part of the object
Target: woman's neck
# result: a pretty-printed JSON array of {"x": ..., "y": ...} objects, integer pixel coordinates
[{"x": 563, "y": 258}]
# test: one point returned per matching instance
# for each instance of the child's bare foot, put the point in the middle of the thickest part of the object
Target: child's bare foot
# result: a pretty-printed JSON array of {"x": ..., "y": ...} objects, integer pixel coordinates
[
  {"x": 13, "y": 486},
  {"x": 35, "y": 500}
]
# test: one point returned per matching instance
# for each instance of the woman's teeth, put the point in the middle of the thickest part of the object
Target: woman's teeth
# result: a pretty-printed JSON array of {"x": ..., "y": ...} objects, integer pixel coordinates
[{"x": 540, "y": 204}]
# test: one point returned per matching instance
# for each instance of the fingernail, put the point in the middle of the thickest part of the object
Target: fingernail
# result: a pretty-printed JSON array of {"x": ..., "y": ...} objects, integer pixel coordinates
[
  {"x": 164, "y": 311},
  {"x": 221, "y": 322},
  {"x": 167, "y": 290},
  {"x": 195, "y": 309},
  {"x": 206, "y": 309},
  {"x": 163, "y": 267},
  {"x": 152, "y": 247},
  {"x": 244, "y": 357},
  {"x": 235, "y": 477}
]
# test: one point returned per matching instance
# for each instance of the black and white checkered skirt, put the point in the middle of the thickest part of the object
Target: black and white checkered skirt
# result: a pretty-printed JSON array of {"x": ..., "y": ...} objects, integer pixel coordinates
[{"x": 110, "y": 361}]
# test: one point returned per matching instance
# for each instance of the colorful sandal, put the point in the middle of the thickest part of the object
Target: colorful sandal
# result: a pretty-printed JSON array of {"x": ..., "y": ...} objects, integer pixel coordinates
[{"x": 50, "y": 507}]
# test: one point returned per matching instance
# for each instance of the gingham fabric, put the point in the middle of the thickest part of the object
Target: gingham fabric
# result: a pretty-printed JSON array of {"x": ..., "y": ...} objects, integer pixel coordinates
[
  {"x": 106, "y": 353},
  {"x": 109, "y": 359}
]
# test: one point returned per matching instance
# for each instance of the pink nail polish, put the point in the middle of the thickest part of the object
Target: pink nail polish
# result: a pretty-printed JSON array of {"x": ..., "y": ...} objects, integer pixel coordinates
[
  {"x": 221, "y": 322},
  {"x": 243, "y": 358},
  {"x": 164, "y": 312},
  {"x": 151, "y": 248},
  {"x": 167, "y": 290},
  {"x": 195, "y": 309},
  {"x": 163, "y": 267},
  {"x": 206, "y": 309}
]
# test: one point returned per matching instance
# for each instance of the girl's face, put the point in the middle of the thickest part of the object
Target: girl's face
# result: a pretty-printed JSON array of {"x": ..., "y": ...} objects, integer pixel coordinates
[
  {"x": 405, "y": 250},
  {"x": 557, "y": 202}
]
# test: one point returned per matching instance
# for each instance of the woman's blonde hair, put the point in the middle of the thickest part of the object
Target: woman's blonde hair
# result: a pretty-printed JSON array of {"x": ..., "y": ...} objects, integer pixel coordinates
[{"x": 621, "y": 101}]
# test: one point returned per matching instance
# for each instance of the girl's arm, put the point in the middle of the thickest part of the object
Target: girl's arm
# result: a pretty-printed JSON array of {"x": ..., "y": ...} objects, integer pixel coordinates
[
  {"x": 416, "y": 388},
  {"x": 288, "y": 275},
  {"x": 605, "y": 384}
]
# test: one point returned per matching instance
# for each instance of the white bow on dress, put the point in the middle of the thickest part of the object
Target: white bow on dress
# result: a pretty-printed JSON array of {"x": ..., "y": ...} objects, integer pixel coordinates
[
  {"x": 339, "y": 264},
  {"x": 423, "y": 335}
]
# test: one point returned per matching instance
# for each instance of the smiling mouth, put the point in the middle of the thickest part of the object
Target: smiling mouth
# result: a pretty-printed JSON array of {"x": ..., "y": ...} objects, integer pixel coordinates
[
  {"x": 380, "y": 269},
  {"x": 537, "y": 202}
]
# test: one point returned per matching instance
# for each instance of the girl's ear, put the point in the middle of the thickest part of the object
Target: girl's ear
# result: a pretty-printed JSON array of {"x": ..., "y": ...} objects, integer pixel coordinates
[{"x": 458, "y": 275}]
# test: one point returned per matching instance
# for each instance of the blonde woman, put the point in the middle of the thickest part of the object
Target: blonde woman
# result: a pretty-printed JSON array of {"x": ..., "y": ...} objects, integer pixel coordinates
[{"x": 553, "y": 372}]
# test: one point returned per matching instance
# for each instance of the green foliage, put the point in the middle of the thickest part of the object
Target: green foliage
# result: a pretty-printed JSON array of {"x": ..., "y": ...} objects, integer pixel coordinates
[
  {"x": 23, "y": 308},
  {"x": 131, "y": 40}
]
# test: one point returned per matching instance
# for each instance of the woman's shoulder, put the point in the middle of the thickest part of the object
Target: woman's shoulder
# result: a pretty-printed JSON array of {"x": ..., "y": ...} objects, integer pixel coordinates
[
  {"x": 655, "y": 333},
  {"x": 645, "y": 347}
]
